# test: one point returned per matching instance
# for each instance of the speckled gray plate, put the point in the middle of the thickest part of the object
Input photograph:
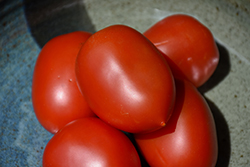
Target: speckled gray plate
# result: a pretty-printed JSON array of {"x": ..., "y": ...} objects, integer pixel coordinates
[{"x": 25, "y": 26}]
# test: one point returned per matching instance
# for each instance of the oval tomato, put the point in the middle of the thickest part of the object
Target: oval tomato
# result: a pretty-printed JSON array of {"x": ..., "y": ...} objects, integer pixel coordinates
[
  {"x": 90, "y": 142},
  {"x": 189, "y": 138},
  {"x": 188, "y": 46},
  {"x": 125, "y": 79},
  {"x": 55, "y": 95}
]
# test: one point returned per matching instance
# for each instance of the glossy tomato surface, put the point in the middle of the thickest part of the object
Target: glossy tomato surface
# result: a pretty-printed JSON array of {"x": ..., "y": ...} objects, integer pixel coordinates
[
  {"x": 55, "y": 95},
  {"x": 188, "y": 46},
  {"x": 125, "y": 79},
  {"x": 90, "y": 142},
  {"x": 189, "y": 139}
]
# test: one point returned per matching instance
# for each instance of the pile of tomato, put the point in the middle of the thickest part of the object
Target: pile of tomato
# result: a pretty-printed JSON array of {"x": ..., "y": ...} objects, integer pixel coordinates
[{"x": 88, "y": 89}]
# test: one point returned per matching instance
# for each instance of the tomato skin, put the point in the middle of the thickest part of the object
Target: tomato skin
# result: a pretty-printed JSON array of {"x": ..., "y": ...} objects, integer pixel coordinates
[
  {"x": 125, "y": 80},
  {"x": 90, "y": 142},
  {"x": 55, "y": 95},
  {"x": 188, "y": 46},
  {"x": 189, "y": 139}
]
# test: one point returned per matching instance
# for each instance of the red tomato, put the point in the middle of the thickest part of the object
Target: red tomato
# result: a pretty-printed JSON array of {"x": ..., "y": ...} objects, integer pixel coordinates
[
  {"x": 90, "y": 142},
  {"x": 189, "y": 138},
  {"x": 188, "y": 46},
  {"x": 55, "y": 95},
  {"x": 125, "y": 79}
]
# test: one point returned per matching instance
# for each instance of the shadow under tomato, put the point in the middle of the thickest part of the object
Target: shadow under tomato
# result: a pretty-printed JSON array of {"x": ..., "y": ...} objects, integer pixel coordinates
[
  {"x": 223, "y": 136},
  {"x": 47, "y": 19},
  {"x": 143, "y": 161},
  {"x": 221, "y": 71}
]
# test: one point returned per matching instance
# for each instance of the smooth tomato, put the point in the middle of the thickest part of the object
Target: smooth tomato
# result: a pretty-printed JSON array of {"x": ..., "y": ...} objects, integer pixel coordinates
[
  {"x": 189, "y": 139},
  {"x": 90, "y": 142},
  {"x": 125, "y": 79},
  {"x": 55, "y": 95},
  {"x": 188, "y": 46}
]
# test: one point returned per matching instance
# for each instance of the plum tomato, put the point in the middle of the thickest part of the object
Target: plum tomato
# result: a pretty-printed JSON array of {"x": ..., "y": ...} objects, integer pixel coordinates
[
  {"x": 90, "y": 142},
  {"x": 189, "y": 138},
  {"x": 56, "y": 97},
  {"x": 188, "y": 46},
  {"x": 125, "y": 79}
]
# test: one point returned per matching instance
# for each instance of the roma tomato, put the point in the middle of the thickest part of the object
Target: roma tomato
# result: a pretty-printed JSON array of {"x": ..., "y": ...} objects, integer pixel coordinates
[
  {"x": 90, "y": 142},
  {"x": 188, "y": 46},
  {"x": 55, "y": 95},
  {"x": 125, "y": 79},
  {"x": 189, "y": 138}
]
